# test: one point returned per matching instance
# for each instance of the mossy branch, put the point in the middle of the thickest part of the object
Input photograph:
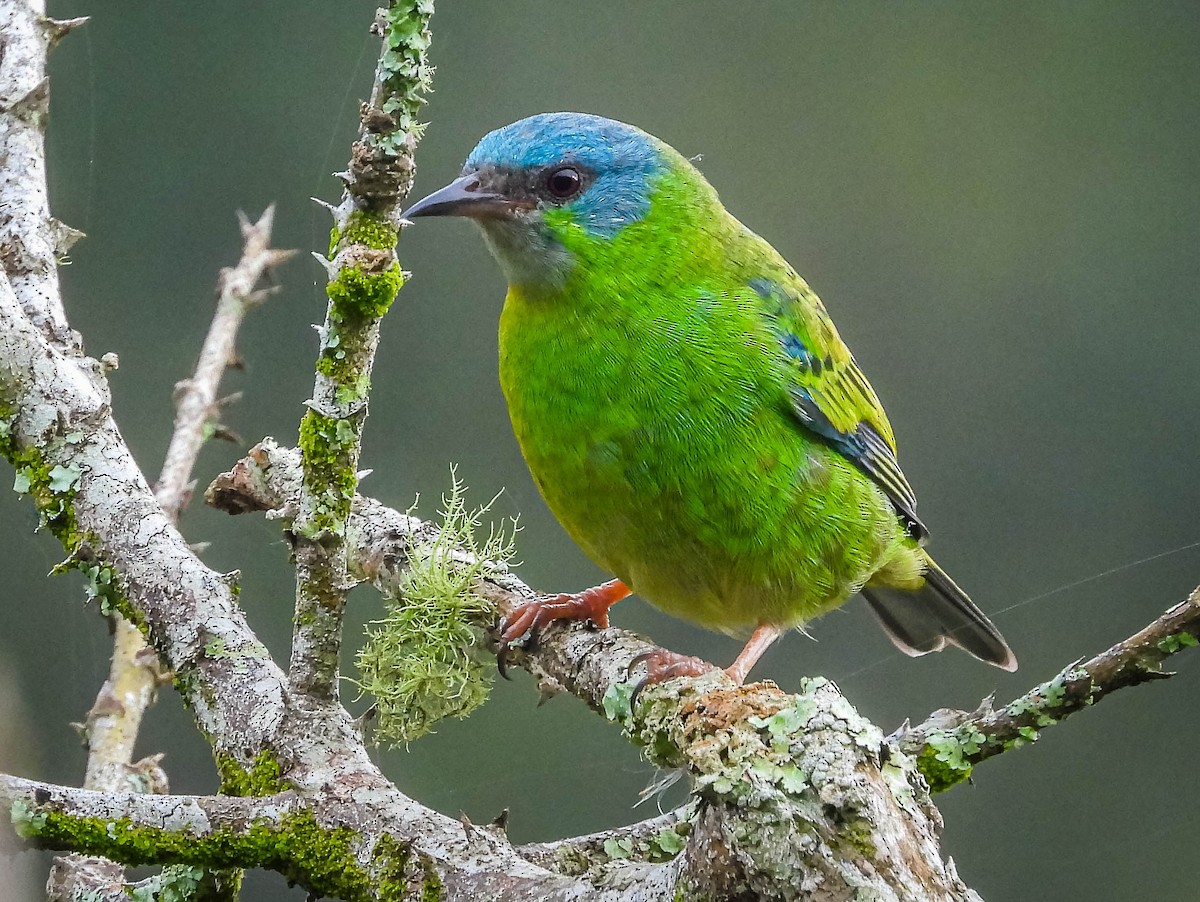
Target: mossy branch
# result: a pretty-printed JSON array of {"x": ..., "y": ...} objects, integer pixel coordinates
[
  {"x": 364, "y": 277},
  {"x": 949, "y": 744}
]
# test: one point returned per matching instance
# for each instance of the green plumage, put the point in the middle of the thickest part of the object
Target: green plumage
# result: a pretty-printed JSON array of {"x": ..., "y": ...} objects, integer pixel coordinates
[{"x": 692, "y": 418}]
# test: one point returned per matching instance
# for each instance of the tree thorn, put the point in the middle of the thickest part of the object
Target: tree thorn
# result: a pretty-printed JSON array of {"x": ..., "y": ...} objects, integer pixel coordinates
[
  {"x": 57, "y": 29},
  {"x": 331, "y": 268}
]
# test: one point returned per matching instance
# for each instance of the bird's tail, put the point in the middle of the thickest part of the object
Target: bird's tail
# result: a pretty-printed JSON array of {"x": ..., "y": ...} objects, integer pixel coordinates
[{"x": 923, "y": 619}]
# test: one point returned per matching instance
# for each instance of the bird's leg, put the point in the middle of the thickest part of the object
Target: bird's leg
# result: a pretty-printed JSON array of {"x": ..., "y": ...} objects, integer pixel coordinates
[
  {"x": 590, "y": 604},
  {"x": 663, "y": 665},
  {"x": 760, "y": 640}
]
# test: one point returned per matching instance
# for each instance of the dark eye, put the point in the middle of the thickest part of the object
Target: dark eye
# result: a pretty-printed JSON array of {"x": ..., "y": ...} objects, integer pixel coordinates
[{"x": 564, "y": 183}]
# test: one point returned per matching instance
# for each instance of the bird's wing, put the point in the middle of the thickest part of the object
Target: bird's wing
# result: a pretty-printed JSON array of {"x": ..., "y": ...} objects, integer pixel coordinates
[{"x": 829, "y": 394}]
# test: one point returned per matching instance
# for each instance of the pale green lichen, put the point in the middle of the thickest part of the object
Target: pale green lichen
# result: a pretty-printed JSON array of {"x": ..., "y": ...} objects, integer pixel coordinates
[
  {"x": 404, "y": 73},
  {"x": 1173, "y": 643},
  {"x": 181, "y": 883},
  {"x": 426, "y": 659}
]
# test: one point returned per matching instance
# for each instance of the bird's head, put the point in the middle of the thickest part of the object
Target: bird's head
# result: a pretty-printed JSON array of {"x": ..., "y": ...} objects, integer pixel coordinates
[{"x": 546, "y": 188}]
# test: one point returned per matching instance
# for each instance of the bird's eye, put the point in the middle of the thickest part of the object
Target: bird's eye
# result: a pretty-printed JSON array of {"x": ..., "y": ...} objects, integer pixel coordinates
[{"x": 563, "y": 183}]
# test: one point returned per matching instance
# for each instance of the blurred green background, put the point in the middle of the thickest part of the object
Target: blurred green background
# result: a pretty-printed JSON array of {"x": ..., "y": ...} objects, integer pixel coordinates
[{"x": 999, "y": 204}]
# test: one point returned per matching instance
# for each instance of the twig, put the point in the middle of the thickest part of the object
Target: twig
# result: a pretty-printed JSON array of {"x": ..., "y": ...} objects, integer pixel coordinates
[
  {"x": 950, "y": 743},
  {"x": 57, "y": 420},
  {"x": 196, "y": 398},
  {"x": 772, "y": 768},
  {"x": 31, "y": 240},
  {"x": 364, "y": 276}
]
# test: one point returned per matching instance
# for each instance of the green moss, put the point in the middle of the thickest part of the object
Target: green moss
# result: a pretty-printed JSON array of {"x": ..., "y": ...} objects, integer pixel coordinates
[
  {"x": 945, "y": 759},
  {"x": 320, "y": 858},
  {"x": 263, "y": 778},
  {"x": 857, "y": 834},
  {"x": 364, "y": 228},
  {"x": 326, "y": 446},
  {"x": 358, "y": 293},
  {"x": 431, "y": 887},
  {"x": 52, "y": 487}
]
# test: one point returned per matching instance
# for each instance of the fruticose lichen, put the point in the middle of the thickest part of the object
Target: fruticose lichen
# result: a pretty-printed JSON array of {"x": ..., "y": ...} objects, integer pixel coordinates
[{"x": 426, "y": 659}]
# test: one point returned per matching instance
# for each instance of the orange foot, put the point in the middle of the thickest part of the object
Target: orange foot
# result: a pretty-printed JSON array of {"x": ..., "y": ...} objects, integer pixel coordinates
[
  {"x": 663, "y": 665},
  {"x": 528, "y": 619}
]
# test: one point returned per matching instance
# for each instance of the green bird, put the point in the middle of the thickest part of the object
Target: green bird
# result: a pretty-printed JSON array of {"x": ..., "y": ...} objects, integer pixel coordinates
[{"x": 686, "y": 406}]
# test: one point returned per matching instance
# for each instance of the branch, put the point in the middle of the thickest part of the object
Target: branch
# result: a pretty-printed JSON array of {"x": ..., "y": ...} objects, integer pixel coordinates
[
  {"x": 31, "y": 240},
  {"x": 134, "y": 672},
  {"x": 949, "y": 744},
  {"x": 796, "y": 789},
  {"x": 147, "y": 828},
  {"x": 364, "y": 277},
  {"x": 57, "y": 430},
  {"x": 196, "y": 405}
]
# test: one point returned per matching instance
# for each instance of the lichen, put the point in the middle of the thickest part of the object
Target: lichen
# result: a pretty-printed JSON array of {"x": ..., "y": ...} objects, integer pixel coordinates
[
  {"x": 1168, "y": 645},
  {"x": 426, "y": 660},
  {"x": 404, "y": 73}
]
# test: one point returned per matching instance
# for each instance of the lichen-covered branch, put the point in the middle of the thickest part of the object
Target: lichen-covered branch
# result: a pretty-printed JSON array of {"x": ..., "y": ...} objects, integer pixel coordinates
[
  {"x": 31, "y": 240},
  {"x": 56, "y": 429},
  {"x": 949, "y": 744},
  {"x": 145, "y": 828},
  {"x": 112, "y": 725},
  {"x": 364, "y": 277},
  {"x": 798, "y": 792}
]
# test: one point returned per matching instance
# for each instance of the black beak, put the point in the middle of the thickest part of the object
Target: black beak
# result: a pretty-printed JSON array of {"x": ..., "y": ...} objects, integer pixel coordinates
[{"x": 464, "y": 196}]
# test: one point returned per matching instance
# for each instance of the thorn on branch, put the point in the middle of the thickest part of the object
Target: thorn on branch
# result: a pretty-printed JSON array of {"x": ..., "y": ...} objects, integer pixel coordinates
[
  {"x": 57, "y": 29},
  {"x": 31, "y": 106},
  {"x": 331, "y": 268}
]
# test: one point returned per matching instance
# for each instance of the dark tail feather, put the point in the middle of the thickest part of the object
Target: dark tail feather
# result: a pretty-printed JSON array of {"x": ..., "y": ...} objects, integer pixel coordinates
[{"x": 923, "y": 620}]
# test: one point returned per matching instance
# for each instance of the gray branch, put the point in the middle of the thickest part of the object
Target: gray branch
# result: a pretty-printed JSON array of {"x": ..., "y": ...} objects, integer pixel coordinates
[
  {"x": 364, "y": 276},
  {"x": 31, "y": 240},
  {"x": 112, "y": 725},
  {"x": 784, "y": 780},
  {"x": 950, "y": 743}
]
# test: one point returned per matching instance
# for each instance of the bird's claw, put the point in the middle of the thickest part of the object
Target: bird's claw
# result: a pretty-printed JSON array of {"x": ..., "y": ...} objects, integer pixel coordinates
[
  {"x": 526, "y": 621},
  {"x": 661, "y": 666}
]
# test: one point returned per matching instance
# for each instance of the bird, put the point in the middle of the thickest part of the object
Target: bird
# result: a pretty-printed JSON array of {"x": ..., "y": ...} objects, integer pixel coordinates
[{"x": 686, "y": 406}]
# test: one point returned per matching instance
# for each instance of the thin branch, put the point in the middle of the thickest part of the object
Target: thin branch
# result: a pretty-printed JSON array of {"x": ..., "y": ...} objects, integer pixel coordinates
[
  {"x": 78, "y": 879},
  {"x": 31, "y": 240},
  {"x": 364, "y": 276},
  {"x": 56, "y": 420},
  {"x": 196, "y": 410},
  {"x": 950, "y": 743},
  {"x": 592, "y": 664}
]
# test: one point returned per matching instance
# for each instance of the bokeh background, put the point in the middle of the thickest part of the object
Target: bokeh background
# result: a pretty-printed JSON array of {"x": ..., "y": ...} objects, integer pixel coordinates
[{"x": 1000, "y": 205}]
